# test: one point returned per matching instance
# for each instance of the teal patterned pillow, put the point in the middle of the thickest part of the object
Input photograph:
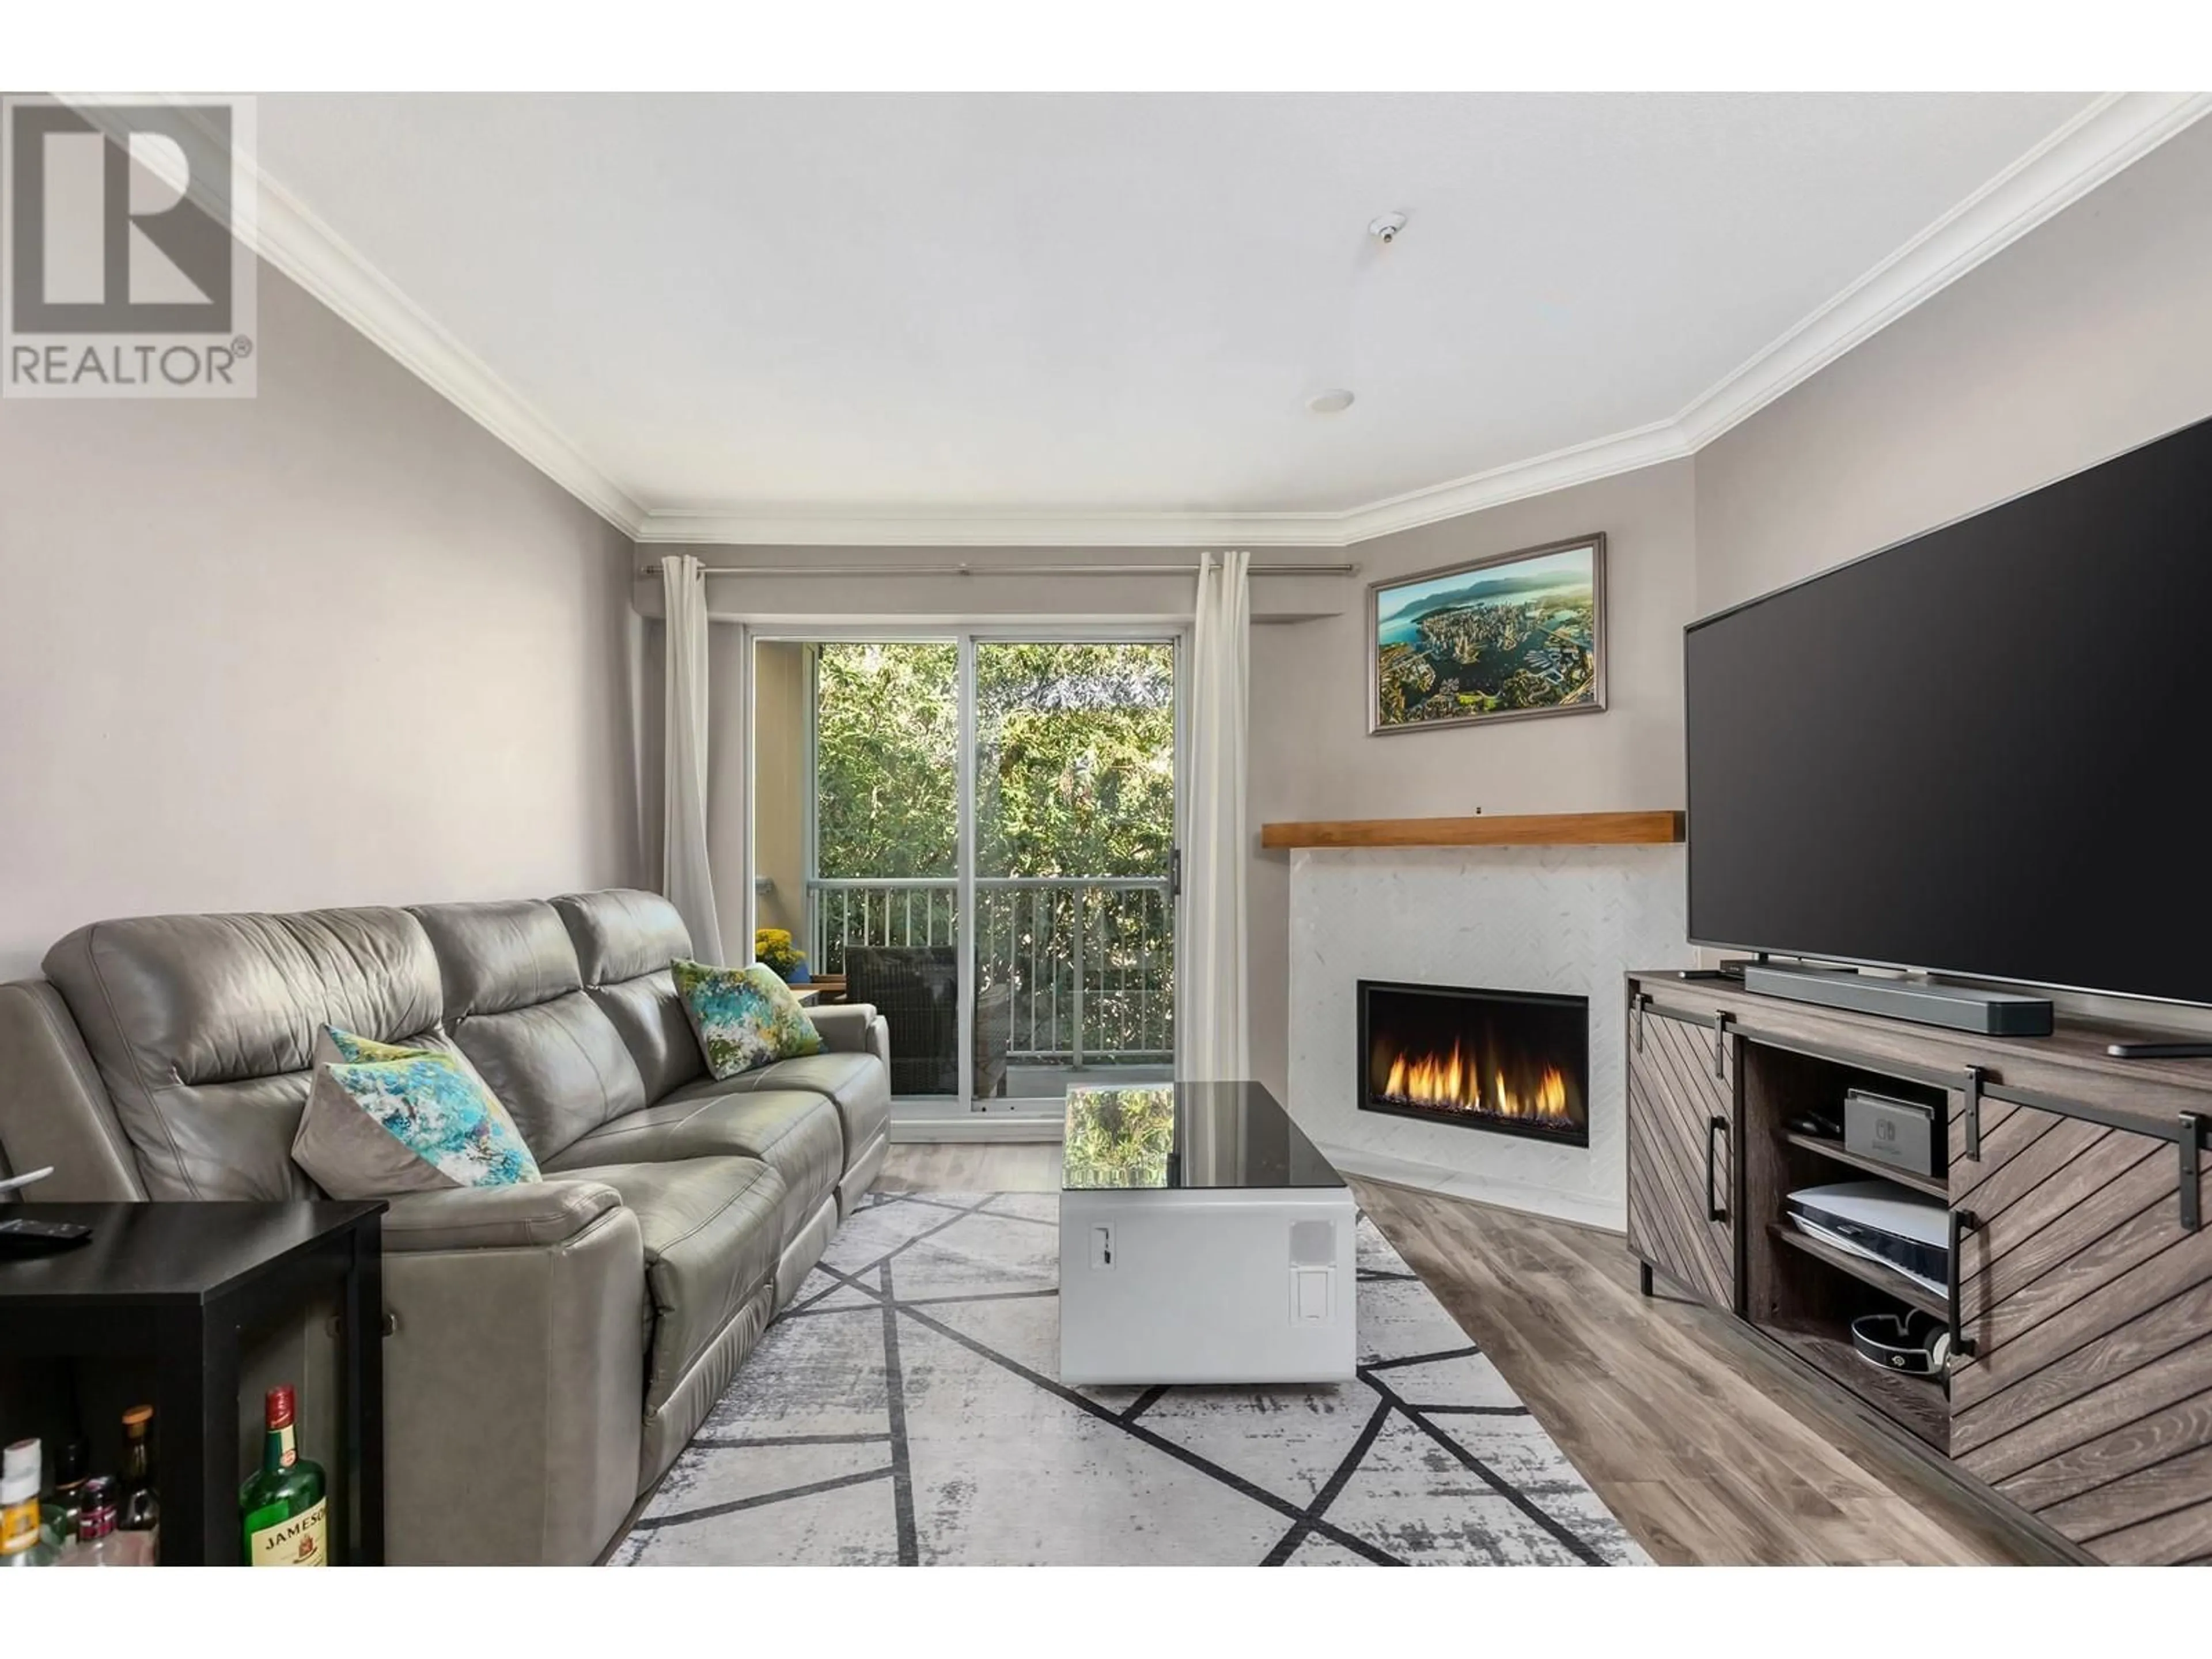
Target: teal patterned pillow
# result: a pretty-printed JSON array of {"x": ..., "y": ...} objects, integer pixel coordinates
[
  {"x": 380, "y": 1128},
  {"x": 744, "y": 1017},
  {"x": 334, "y": 1046}
]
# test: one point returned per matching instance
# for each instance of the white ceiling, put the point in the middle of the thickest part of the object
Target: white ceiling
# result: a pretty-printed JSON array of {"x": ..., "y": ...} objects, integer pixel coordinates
[{"x": 789, "y": 308}]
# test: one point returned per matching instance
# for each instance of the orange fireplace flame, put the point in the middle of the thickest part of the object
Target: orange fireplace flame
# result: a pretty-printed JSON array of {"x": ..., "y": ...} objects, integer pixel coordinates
[{"x": 1449, "y": 1083}]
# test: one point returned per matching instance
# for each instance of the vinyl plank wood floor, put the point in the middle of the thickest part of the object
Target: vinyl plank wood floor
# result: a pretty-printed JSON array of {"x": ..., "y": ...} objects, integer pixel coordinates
[{"x": 1710, "y": 1450}]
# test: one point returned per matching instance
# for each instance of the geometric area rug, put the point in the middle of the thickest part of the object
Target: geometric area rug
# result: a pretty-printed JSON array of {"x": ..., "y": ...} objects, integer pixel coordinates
[{"x": 904, "y": 1410}]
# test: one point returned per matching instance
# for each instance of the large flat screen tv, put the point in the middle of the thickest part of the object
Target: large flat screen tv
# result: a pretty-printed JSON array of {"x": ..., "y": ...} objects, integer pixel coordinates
[{"x": 1985, "y": 751}]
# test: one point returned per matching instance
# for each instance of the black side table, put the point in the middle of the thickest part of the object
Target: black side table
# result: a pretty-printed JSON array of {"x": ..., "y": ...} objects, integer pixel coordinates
[{"x": 178, "y": 1282}]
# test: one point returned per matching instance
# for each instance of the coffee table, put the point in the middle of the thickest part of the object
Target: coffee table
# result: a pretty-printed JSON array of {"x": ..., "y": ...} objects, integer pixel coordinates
[{"x": 1202, "y": 1239}]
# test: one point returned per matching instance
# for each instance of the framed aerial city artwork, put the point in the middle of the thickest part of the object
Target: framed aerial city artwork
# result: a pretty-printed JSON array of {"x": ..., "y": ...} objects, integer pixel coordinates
[{"x": 1496, "y": 639}]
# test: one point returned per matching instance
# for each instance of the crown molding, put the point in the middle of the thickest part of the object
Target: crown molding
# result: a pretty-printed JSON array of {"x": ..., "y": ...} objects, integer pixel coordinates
[
  {"x": 288, "y": 236},
  {"x": 921, "y": 527},
  {"x": 1580, "y": 464},
  {"x": 2113, "y": 131},
  {"x": 298, "y": 244},
  {"x": 1562, "y": 469}
]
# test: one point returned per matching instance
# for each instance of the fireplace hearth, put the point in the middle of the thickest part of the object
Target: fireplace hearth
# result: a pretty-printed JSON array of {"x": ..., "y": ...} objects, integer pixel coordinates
[{"x": 1515, "y": 1062}]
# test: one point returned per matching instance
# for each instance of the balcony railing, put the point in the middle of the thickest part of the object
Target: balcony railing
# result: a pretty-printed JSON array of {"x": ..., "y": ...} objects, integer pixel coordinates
[{"x": 1089, "y": 960}]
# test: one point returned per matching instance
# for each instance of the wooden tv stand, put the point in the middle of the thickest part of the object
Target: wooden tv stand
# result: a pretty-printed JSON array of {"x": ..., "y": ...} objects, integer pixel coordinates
[{"x": 2079, "y": 1400}]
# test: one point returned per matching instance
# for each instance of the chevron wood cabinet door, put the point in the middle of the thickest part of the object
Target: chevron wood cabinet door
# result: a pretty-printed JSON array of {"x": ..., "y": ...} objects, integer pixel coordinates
[
  {"x": 1681, "y": 1116},
  {"x": 2087, "y": 1401}
]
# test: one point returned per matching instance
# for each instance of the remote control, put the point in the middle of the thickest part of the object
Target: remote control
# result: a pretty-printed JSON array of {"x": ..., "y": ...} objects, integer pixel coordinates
[{"x": 27, "y": 1237}]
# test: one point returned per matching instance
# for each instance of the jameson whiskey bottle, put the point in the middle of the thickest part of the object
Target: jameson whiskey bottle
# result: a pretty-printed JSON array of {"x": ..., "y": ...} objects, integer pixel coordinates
[{"x": 281, "y": 1510}]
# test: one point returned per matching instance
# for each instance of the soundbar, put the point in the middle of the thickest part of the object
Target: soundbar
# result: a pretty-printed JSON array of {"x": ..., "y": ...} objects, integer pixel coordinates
[{"x": 1992, "y": 1013}]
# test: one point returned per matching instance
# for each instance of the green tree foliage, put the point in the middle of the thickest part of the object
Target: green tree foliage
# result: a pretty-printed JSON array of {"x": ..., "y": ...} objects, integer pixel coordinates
[
  {"x": 1075, "y": 769},
  {"x": 1075, "y": 777},
  {"x": 887, "y": 736}
]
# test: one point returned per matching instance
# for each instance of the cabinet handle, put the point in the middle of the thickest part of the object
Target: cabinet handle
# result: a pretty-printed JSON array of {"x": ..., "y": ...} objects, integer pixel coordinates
[
  {"x": 2192, "y": 1141},
  {"x": 1720, "y": 1022},
  {"x": 1962, "y": 1222},
  {"x": 1715, "y": 1210}
]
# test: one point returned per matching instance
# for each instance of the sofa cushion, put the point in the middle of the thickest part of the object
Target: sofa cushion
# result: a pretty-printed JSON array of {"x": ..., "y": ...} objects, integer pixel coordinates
[
  {"x": 515, "y": 1003},
  {"x": 795, "y": 1134},
  {"x": 858, "y": 1085},
  {"x": 202, "y": 1028},
  {"x": 560, "y": 1068},
  {"x": 229, "y": 1141},
  {"x": 711, "y": 1241},
  {"x": 624, "y": 941},
  {"x": 650, "y": 1017},
  {"x": 499, "y": 955},
  {"x": 621, "y": 933}
]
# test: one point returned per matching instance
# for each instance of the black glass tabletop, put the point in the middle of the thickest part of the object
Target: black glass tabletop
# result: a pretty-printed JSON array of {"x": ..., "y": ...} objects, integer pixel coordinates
[{"x": 1186, "y": 1135}]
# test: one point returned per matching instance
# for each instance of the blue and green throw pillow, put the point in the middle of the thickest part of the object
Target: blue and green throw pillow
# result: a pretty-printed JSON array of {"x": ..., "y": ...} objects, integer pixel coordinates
[
  {"x": 334, "y": 1046},
  {"x": 744, "y": 1017},
  {"x": 414, "y": 1123}
]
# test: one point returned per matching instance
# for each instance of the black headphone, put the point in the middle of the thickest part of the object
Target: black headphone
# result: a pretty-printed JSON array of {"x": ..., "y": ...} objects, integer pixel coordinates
[{"x": 1916, "y": 1344}]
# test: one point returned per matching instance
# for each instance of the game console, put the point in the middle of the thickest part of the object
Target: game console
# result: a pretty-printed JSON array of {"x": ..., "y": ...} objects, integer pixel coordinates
[{"x": 1882, "y": 1222}]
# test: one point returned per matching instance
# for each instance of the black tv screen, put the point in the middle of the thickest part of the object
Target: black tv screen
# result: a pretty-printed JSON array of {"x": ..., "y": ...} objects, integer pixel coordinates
[{"x": 1985, "y": 751}]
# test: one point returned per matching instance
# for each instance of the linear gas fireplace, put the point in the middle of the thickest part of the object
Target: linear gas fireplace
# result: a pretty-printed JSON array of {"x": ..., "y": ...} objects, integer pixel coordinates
[{"x": 1514, "y": 1061}]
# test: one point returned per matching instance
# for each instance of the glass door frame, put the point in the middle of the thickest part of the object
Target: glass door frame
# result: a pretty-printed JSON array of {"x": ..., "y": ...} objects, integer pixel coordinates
[{"x": 966, "y": 636}]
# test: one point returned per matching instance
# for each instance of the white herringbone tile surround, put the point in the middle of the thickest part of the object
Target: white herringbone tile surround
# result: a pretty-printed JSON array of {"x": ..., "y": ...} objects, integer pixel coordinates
[{"x": 1568, "y": 919}]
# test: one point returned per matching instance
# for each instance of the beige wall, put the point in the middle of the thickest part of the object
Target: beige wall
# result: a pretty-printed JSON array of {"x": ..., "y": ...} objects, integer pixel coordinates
[
  {"x": 780, "y": 786},
  {"x": 1311, "y": 756},
  {"x": 2089, "y": 336},
  {"x": 333, "y": 645}
]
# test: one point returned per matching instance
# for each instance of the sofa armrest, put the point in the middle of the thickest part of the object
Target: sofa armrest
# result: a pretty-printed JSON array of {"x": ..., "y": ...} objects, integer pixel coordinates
[
  {"x": 525, "y": 1216},
  {"x": 847, "y": 1028},
  {"x": 532, "y": 1298},
  {"x": 53, "y": 1107}
]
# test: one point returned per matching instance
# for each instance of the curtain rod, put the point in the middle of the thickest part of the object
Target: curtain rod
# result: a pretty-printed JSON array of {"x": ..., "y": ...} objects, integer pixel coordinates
[{"x": 965, "y": 570}]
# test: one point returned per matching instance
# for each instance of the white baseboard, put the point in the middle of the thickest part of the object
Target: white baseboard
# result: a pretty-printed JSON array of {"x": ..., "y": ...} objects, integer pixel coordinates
[
  {"x": 1014, "y": 1127},
  {"x": 1457, "y": 1183}
]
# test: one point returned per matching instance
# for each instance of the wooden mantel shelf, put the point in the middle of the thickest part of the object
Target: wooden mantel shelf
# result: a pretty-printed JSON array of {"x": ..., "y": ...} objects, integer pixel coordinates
[{"x": 1526, "y": 830}]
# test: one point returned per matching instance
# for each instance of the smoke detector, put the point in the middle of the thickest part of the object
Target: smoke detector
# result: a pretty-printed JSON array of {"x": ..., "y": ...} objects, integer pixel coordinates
[
  {"x": 1334, "y": 401},
  {"x": 1385, "y": 229}
]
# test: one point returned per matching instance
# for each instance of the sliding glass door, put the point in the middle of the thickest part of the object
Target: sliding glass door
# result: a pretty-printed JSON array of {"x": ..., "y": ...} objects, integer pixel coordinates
[
  {"x": 1075, "y": 829},
  {"x": 904, "y": 786}
]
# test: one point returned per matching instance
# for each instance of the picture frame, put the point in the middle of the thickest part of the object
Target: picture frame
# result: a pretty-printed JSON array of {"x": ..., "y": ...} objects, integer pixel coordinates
[{"x": 1526, "y": 662}]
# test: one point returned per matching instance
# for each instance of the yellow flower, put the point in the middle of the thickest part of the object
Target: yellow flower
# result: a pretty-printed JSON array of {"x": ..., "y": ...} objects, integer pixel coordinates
[{"x": 772, "y": 946}]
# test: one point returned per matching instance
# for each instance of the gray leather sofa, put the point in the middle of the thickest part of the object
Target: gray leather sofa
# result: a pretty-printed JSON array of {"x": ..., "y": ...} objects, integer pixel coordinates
[{"x": 598, "y": 1316}]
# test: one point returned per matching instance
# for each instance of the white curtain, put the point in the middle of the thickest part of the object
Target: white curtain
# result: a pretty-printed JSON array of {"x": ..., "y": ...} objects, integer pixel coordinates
[
  {"x": 1216, "y": 1047},
  {"x": 684, "y": 873}
]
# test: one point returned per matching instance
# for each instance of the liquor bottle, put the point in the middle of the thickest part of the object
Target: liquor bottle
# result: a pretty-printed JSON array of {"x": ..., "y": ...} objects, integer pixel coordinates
[
  {"x": 283, "y": 1511},
  {"x": 98, "y": 1543},
  {"x": 24, "y": 1542},
  {"x": 140, "y": 1509},
  {"x": 58, "y": 1509}
]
